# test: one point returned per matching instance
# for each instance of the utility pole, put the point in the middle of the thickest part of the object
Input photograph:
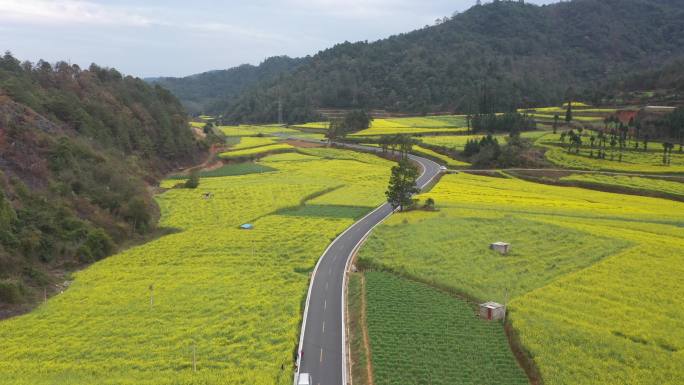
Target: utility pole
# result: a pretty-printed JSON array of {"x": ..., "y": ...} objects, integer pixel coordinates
[
  {"x": 280, "y": 110},
  {"x": 194, "y": 356},
  {"x": 151, "y": 295}
]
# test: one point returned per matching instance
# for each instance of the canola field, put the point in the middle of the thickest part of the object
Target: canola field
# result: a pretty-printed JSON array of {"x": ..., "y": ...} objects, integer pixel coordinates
[
  {"x": 419, "y": 335},
  {"x": 256, "y": 151},
  {"x": 592, "y": 281},
  {"x": 448, "y": 161},
  {"x": 247, "y": 130},
  {"x": 415, "y": 126},
  {"x": 458, "y": 142},
  {"x": 231, "y": 298}
]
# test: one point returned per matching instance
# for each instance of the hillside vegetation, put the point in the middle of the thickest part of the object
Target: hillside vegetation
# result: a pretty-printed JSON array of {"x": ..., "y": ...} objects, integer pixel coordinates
[
  {"x": 77, "y": 150},
  {"x": 493, "y": 57},
  {"x": 214, "y": 90}
]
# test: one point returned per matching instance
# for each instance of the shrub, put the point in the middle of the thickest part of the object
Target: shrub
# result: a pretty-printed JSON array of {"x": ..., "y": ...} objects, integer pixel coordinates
[
  {"x": 193, "y": 181},
  {"x": 12, "y": 291}
]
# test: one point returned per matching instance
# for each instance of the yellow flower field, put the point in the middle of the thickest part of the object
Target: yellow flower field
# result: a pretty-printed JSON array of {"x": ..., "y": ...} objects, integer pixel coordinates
[
  {"x": 231, "y": 296},
  {"x": 254, "y": 151},
  {"x": 593, "y": 279}
]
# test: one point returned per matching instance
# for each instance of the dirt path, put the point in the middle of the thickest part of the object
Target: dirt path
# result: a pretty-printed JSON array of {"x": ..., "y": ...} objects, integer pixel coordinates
[
  {"x": 364, "y": 328},
  {"x": 572, "y": 171}
]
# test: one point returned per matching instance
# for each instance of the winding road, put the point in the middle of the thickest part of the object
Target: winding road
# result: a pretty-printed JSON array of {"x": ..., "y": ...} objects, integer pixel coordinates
[{"x": 322, "y": 339}]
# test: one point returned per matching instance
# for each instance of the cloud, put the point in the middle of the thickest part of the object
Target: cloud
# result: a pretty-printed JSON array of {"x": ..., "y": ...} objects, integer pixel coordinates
[{"x": 68, "y": 12}]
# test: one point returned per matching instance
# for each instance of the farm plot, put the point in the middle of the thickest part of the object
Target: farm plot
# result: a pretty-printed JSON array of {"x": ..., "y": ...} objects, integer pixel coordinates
[
  {"x": 256, "y": 151},
  {"x": 450, "y": 162},
  {"x": 419, "y": 335},
  {"x": 247, "y": 142},
  {"x": 458, "y": 142},
  {"x": 588, "y": 276},
  {"x": 638, "y": 184},
  {"x": 247, "y": 130},
  {"x": 225, "y": 296},
  {"x": 633, "y": 160},
  {"x": 230, "y": 170},
  {"x": 414, "y": 126}
]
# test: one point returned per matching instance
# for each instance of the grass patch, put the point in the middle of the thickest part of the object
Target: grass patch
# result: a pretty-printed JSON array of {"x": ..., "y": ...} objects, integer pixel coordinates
[{"x": 231, "y": 170}]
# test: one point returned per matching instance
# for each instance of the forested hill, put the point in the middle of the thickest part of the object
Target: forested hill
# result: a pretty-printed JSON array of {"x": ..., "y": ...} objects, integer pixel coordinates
[
  {"x": 76, "y": 150},
  {"x": 214, "y": 90},
  {"x": 491, "y": 57}
]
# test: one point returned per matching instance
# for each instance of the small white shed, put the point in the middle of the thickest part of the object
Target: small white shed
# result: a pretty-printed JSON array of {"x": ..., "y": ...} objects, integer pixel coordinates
[
  {"x": 492, "y": 311},
  {"x": 501, "y": 247}
]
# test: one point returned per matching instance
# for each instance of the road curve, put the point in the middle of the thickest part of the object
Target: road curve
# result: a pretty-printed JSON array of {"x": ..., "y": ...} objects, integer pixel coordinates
[{"x": 322, "y": 339}]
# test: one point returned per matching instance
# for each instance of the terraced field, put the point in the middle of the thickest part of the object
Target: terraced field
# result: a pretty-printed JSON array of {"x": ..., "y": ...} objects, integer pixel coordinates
[
  {"x": 635, "y": 183},
  {"x": 421, "y": 335},
  {"x": 589, "y": 279},
  {"x": 458, "y": 142},
  {"x": 415, "y": 126},
  {"x": 226, "y": 296},
  {"x": 256, "y": 151},
  {"x": 637, "y": 161},
  {"x": 248, "y": 130}
]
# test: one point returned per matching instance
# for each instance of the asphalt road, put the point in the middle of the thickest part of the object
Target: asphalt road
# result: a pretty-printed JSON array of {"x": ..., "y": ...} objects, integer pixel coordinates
[{"x": 322, "y": 352}]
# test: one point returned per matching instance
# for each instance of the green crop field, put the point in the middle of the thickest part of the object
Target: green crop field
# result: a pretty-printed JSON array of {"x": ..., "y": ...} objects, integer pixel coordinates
[
  {"x": 630, "y": 182},
  {"x": 227, "y": 294},
  {"x": 592, "y": 280},
  {"x": 636, "y": 161},
  {"x": 419, "y": 335}
]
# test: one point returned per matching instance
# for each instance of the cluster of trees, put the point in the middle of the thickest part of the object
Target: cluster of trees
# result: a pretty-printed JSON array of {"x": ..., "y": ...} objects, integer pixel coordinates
[
  {"x": 397, "y": 143},
  {"x": 516, "y": 54},
  {"x": 515, "y": 152},
  {"x": 474, "y": 146},
  {"x": 511, "y": 122},
  {"x": 78, "y": 149},
  {"x": 618, "y": 137},
  {"x": 353, "y": 121}
]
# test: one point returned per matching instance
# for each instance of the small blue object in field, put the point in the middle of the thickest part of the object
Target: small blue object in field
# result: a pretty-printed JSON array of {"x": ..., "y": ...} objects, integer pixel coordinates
[{"x": 247, "y": 226}]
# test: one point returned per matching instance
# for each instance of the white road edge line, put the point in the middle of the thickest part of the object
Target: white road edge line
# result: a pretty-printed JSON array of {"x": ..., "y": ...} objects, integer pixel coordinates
[
  {"x": 308, "y": 295},
  {"x": 344, "y": 280}
]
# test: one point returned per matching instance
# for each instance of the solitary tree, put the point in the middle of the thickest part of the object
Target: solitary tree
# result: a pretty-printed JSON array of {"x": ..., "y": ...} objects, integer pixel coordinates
[
  {"x": 402, "y": 185},
  {"x": 193, "y": 181},
  {"x": 556, "y": 118},
  {"x": 335, "y": 130},
  {"x": 568, "y": 113}
]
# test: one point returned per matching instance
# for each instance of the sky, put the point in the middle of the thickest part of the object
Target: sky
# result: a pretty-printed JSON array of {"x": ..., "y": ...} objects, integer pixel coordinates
[{"x": 181, "y": 37}]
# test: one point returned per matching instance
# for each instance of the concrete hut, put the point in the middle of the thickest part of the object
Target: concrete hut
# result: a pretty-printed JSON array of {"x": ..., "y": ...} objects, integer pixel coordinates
[
  {"x": 501, "y": 247},
  {"x": 492, "y": 311}
]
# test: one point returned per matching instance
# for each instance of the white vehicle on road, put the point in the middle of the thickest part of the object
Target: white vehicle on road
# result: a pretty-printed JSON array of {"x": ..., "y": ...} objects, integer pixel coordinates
[
  {"x": 304, "y": 379},
  {"x": 443, "y": 168}
]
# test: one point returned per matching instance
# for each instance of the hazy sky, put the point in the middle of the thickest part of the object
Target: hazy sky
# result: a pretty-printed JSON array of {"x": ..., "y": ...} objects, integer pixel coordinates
[{"x": 181, "y": 37}]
